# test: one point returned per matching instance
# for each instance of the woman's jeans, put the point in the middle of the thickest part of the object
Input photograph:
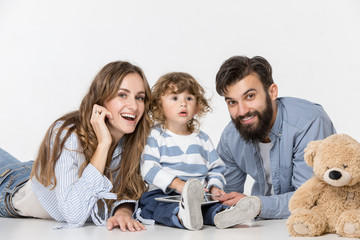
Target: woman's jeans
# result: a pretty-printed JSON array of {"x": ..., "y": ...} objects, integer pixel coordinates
[{"x": 13, "y": 175}]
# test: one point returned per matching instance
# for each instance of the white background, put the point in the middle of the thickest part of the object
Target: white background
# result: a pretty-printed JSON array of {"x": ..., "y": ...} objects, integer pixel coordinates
[{"x": 51, "y": 50}]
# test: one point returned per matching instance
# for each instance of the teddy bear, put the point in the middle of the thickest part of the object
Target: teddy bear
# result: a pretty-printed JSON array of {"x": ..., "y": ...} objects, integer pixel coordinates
[{"x": 329, "y": 202}]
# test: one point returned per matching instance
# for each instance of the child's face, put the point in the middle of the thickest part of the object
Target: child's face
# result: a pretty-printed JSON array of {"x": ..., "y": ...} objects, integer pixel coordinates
[{"x": 178, "y": 110}]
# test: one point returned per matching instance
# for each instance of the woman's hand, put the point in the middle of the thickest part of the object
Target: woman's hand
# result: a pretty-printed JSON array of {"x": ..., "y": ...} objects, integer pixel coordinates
[
  {"x": 99, "y": 114},
  {"x": 123, "y": 219},
  {"x": 97, "y": 120}
]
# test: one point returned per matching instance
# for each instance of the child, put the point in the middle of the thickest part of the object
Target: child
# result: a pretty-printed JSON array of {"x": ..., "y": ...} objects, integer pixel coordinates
[{"x": 178, "y": 158}]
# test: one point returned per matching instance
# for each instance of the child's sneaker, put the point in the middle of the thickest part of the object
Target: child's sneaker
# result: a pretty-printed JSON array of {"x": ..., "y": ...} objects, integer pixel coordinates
[
  {"x": 243, "y": 211},
  {"x": 190, "y": 214}
]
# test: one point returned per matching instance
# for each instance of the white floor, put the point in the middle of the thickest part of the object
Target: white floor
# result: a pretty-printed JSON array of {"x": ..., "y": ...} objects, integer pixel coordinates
[{"x": 28, "y": 229}]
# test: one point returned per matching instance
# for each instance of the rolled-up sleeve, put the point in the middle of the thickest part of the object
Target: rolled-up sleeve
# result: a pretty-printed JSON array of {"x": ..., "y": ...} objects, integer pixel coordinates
[
  {"x": 234, "y": 176},
  {"x": 76, "y": 196}
]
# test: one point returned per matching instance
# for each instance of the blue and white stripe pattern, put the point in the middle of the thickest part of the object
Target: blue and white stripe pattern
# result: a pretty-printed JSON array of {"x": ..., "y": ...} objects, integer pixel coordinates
[
  {"x": 168, "y": 155},
  {"x": 74, "y": 200}
]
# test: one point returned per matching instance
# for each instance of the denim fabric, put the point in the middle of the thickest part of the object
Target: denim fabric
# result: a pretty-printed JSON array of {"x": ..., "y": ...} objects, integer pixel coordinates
[
  {"x": 166, "y": 213},
  {"x": 13, "y": 175}
]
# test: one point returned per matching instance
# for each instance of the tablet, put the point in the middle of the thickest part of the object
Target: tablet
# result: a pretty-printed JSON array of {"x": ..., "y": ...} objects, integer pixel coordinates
[{"x": 177, "y": 198}]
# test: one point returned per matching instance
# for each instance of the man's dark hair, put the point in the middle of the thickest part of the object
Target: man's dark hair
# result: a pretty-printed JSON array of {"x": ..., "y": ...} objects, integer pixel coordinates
[{"x": 237, "y": 67}]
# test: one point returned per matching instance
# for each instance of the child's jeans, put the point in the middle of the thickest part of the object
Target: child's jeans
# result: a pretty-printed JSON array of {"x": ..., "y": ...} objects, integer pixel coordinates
[
  {"x": 13, "y": 175},
  {"x": 166, "y": 213}
]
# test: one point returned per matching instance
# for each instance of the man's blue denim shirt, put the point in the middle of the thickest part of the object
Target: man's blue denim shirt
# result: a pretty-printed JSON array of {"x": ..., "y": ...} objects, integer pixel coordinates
[{"x": 297, "y": 122}]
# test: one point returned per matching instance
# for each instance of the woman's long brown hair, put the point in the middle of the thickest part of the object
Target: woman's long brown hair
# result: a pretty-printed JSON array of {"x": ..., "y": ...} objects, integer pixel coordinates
[{"x": 127, "y": 183}]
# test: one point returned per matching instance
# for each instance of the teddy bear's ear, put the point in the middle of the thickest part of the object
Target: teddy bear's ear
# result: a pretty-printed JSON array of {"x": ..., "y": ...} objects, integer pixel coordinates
[{"x": 310, "y": 152}]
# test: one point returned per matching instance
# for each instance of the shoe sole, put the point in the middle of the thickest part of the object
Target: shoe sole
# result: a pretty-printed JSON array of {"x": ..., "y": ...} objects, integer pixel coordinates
[
  {"x": 194, "y": 195},
  {"x": 244, "y": 211}
]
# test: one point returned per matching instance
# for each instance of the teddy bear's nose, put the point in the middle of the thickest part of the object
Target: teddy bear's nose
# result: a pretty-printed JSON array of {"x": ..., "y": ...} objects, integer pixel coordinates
[{"x": 335, "y": 175}]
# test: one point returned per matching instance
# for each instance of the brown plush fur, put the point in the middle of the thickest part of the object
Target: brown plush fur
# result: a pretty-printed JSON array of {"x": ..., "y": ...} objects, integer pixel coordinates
[{"x": 319, "y": 207}]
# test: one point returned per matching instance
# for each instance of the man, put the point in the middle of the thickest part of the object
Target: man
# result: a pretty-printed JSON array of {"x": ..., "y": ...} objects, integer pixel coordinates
[{"x": 267, "y": 135}]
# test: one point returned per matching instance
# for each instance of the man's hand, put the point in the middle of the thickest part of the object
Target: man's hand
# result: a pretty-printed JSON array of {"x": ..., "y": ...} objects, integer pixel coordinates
[{"x": 231, "y": 199}]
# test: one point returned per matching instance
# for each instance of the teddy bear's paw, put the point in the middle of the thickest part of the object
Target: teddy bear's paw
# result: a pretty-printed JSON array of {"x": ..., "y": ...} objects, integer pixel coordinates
[
  {"x": 348, "y": 224},
  {"x": 301, "y": 229},
  {"x": 350, "y": 228},
  {"x": 306, "y": 222}
]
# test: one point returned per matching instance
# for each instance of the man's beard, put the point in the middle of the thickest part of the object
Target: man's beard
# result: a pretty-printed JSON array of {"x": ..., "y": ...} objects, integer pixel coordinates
[{"x": 258, "y": 132}]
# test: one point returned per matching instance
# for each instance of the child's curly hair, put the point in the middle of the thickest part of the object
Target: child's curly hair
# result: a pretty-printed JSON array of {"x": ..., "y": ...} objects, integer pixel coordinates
[{"x": 178, "y": 82}]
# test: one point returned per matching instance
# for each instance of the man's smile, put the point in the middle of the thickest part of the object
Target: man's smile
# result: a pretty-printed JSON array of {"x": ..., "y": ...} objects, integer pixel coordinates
[{"x": 247, "y": 119}]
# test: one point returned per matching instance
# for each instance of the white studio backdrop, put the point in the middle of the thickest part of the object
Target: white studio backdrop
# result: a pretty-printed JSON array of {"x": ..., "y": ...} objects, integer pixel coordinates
[{"x": 51, "y": 50}]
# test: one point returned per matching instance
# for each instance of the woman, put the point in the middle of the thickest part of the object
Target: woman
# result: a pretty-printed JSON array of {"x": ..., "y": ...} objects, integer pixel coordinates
[{"x": 86, "y": 156}]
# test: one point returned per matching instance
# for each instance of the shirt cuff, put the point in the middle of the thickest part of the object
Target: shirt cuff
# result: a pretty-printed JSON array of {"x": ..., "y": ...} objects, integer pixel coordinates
[
  {"x": 163, "y": 180},
  {"x": 116, "y": 204},
  {"x": 267, "y": 208},
  {"x": 99, "y": 181},
  {"x": 215, "y": 182}
]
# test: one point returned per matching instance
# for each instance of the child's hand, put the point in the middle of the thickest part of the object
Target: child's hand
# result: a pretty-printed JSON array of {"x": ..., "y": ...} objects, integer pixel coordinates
[
  {"x": 177, "y": 184},
  {"x": 216, "y": 192}
]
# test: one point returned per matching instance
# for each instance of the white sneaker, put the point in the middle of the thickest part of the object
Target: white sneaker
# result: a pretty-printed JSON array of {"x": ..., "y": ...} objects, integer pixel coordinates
[
  {"x": 243, "y": 211},
  {"x": 190, "y": 214}
]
